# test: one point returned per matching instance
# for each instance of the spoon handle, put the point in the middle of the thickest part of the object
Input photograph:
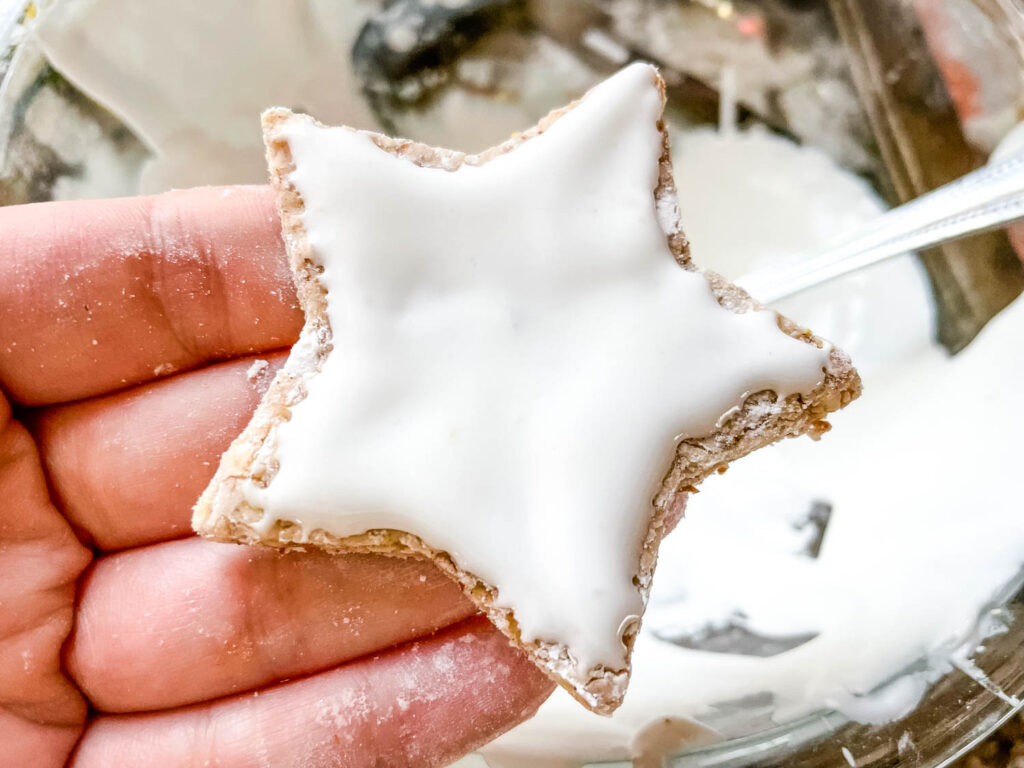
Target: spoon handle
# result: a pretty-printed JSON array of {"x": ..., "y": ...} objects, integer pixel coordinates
[{"x": 983, "y": 199}]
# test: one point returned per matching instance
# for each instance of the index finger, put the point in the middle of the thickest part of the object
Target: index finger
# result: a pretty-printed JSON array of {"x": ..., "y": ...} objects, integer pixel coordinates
[{"x": 98, "y": 295}]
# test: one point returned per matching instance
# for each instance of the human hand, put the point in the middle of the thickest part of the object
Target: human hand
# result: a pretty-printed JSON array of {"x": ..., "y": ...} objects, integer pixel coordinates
[{"x": 128, "y": 332}]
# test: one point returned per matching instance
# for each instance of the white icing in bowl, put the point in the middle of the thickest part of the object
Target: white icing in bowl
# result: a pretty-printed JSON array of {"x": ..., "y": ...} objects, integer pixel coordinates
[{"x": 919, "y": 474}]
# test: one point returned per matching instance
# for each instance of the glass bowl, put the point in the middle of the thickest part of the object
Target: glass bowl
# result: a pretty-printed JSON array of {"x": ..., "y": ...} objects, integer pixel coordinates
[{"x": 905, "y": 94}]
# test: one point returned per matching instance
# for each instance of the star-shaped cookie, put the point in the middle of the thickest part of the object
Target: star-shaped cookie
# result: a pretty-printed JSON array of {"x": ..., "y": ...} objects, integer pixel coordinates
[{"x": 510, "y": 366}]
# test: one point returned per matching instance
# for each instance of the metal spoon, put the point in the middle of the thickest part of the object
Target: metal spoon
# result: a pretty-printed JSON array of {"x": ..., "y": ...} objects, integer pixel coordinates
[{"x": 984, "y": 199}]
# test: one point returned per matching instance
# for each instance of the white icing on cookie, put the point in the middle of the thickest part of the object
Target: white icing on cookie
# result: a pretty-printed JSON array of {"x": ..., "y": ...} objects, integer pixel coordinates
[{"x": 515, "y": 352}]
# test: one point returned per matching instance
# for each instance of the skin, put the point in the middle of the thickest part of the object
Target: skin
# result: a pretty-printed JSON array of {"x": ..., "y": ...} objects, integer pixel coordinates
[{"x": 128, "y": 332}]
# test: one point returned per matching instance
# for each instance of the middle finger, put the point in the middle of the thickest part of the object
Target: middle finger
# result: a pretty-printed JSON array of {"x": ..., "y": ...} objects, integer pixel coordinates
[{"x": 126, "y": 468}]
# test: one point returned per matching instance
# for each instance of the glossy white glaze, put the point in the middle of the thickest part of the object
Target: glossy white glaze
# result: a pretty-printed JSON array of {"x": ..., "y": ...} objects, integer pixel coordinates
[{"x": 515, "y": 349}]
